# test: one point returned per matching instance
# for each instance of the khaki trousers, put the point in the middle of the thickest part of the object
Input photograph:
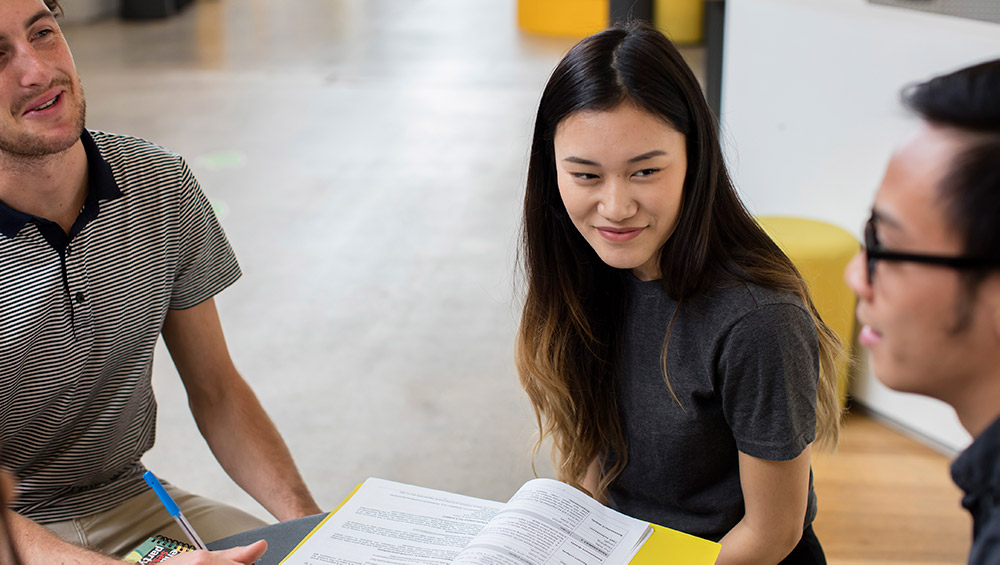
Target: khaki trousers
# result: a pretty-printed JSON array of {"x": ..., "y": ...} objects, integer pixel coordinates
[{"x": 120, "y": 529}]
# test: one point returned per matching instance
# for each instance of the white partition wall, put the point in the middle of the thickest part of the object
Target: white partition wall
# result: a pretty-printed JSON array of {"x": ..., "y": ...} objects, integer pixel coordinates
[{"x": 811, "y": 113}]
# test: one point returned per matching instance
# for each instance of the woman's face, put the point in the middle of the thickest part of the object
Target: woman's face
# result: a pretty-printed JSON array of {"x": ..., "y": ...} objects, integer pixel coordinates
[{"x": 621, "y": 177}]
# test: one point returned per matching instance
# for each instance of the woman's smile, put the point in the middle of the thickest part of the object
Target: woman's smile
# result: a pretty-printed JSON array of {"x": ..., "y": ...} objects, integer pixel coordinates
[{"x": 619, "y": 235}]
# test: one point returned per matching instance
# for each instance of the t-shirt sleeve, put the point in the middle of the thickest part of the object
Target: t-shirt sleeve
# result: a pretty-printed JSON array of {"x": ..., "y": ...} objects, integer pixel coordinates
[
  {"x": 768, "y": 372},
  {"x": 206, "y": 262}
]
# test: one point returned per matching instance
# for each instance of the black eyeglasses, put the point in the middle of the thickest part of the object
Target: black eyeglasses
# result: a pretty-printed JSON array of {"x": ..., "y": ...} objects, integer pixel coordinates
[{"x": 874, "y": 252}]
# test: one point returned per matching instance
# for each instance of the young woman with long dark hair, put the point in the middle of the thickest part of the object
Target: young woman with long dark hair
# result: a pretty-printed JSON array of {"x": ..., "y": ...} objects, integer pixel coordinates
[{"x": 670, "y": 349}]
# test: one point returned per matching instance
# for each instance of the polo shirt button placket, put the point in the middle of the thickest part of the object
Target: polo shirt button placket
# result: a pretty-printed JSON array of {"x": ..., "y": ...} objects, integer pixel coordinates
[{"x": 80, "y": 299}]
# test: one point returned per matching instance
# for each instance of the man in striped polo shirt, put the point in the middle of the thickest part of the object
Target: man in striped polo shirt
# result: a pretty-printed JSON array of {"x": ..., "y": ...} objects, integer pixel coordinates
[{"x": 106, "y": 242}]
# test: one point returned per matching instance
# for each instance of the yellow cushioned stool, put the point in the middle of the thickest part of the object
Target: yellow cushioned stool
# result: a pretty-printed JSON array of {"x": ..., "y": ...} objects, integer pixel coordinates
[
  {"x": 821, "y": 251},
  {"x": 680, "y": 20},
  {"x": 573, "y": 18}
]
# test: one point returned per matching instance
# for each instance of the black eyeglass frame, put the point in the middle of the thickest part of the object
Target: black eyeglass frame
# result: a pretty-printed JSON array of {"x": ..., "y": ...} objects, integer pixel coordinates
[{"x": 875, "y": 253}]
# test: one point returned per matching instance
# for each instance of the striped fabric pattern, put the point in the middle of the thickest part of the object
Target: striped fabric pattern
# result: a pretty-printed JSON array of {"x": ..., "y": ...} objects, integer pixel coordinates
[{"x": 79, "y": 322}]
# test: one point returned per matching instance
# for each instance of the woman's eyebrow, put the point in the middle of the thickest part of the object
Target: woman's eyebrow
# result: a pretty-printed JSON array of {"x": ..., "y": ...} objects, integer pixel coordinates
[
  {"x": 647, "y": 155},
  {"x": 636, "y": 159},
  {"x": 581, "y": 161}
]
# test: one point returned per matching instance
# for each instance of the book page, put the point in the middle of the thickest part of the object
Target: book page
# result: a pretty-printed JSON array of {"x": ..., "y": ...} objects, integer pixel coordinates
[
  {"x": 389, "y": 523},
  {"x": 547, "y": 522}
]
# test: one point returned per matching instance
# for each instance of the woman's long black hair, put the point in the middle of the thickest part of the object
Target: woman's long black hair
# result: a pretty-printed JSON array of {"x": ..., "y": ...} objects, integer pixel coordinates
[{"x": 568, "y": 343}]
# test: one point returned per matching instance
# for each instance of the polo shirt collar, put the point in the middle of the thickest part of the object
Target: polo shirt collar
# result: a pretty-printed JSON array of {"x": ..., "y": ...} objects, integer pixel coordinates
[
  {"x": 101, "y": 186},
  {"x": 977, "y": 469}
]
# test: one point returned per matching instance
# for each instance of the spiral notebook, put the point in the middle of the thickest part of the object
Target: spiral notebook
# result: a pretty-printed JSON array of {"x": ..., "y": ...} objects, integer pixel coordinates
[{"x": 157, "y": 549}]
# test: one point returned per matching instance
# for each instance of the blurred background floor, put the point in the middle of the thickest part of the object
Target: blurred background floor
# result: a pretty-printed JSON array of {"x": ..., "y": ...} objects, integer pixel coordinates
[
  {"x": 366, "y": 158},
  {"x": 885, "y": 499}
]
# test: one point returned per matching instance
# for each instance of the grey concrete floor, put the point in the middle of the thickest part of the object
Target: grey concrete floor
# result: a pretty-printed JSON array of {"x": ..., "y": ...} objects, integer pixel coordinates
[{"x": 366, "y": 158}]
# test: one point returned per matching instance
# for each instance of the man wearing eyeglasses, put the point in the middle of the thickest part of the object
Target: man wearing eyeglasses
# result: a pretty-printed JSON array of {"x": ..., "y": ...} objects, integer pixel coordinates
[{"x": 928, "y": 279}]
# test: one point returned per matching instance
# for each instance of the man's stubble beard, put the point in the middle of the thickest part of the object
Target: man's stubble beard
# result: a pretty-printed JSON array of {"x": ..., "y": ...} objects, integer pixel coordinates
[{"x": 26, "y": 146}]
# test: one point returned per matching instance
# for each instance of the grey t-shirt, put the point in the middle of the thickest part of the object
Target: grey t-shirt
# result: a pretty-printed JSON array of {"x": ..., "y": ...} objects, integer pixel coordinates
[{"x": 744, "y": 364}]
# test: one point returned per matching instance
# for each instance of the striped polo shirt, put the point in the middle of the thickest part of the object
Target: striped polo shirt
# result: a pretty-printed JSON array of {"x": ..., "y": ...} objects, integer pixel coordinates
[{"x": 79, "y": 319}]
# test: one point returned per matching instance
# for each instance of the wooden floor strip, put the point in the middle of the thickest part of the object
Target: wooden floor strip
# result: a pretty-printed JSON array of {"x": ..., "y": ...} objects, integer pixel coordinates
[{"x": 886, "y": 499}]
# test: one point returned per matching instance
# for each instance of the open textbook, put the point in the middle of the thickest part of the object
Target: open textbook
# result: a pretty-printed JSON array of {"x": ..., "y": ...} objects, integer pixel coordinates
[{"x": 545, "y": 522}]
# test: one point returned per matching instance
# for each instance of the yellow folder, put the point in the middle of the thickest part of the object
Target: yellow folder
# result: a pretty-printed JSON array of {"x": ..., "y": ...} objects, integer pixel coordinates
[{"x": 666, "y": 546}]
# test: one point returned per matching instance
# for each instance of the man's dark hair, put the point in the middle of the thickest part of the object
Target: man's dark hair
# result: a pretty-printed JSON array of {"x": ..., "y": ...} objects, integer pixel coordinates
[
  {"x": 968, "y": 101},
  {"x": 54, "y": 7}
]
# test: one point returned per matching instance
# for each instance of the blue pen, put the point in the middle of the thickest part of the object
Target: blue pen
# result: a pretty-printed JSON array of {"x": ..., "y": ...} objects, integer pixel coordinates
[{"x": 173, "y": 509}]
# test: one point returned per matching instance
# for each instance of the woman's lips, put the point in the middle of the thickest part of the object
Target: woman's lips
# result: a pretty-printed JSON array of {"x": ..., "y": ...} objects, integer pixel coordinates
[
  {"x": 619, "y": 234},
  {"x": 869, "y": 337}
]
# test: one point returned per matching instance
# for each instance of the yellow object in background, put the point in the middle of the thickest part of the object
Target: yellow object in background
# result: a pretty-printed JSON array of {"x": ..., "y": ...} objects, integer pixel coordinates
[
  {"x": 573, "y": 18},
  {"x": 680, "y": 20},
  {"x": 821, "y": 251}
]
